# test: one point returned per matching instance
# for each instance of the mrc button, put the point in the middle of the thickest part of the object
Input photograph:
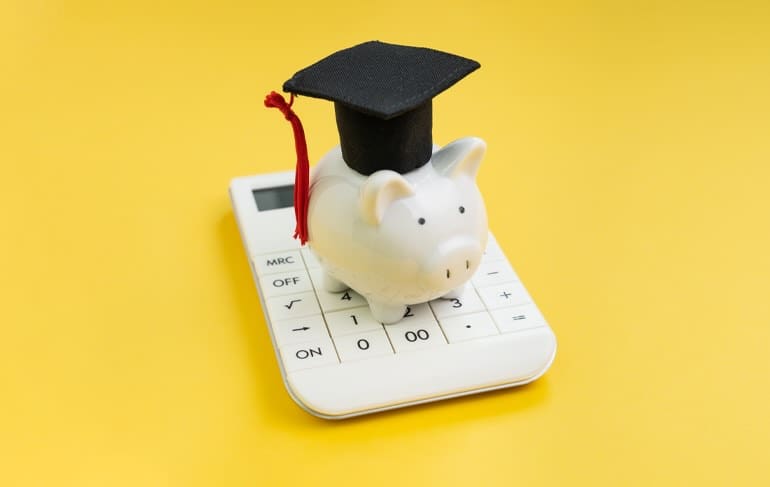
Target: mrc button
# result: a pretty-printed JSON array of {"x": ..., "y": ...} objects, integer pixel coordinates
[
  {"x": 285, "y": 283},
  {"x": 289, "y": 260}
]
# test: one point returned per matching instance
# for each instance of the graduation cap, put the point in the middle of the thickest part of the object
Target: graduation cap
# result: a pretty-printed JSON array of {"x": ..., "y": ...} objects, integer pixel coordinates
[{"x": 382, "y": 96}]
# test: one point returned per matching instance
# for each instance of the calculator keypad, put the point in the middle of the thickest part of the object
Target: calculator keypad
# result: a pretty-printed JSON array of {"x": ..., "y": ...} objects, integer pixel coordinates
[
  {"x": 314, "y": 328},
  {"x": 285, "y": 283},
  {"x": 416, "y": 313},
  {"x": 518, "y": 318},
  {"x": 292, "y": 306},
  {"x": 350, "y": 321},
  {"x": 311, "y": 261},
  {"x": 289, "y": 260},
  {"x": 358, "y": 346},
  {"x": 298, "y": 330},
  {"x": 469, "y": 302},
  {"x": 407, "y": 335},
  {"x": 468, "y": 327},
  {"x": 334, "y": 301},
  {"x": 309, "y": 354},
  {"x": 504, "y": 295},
  {"x": 494, "y": 272}
]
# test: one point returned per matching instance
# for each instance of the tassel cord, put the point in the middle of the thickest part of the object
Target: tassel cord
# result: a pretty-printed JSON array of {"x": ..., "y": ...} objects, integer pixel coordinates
[{"x": 302, "y": 172}]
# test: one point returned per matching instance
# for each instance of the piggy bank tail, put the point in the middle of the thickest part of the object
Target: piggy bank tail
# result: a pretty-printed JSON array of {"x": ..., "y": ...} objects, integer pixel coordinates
[{"x": 302, "y": 172}]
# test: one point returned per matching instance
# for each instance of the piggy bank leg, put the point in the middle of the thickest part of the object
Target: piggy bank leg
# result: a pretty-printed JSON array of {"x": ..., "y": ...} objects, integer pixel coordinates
[
  {"x": 387, "y": 313},
  {"x": 332, "y": 284},
  {"x": 455, "y": 293}
]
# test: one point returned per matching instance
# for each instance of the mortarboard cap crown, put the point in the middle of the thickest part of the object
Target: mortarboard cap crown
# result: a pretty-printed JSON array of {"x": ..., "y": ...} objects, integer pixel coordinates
[{"x": 382, "y": 96}]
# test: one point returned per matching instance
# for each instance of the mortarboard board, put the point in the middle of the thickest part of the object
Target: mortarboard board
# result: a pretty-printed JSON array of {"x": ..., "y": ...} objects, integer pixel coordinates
[{"x": 382, "y": 96}]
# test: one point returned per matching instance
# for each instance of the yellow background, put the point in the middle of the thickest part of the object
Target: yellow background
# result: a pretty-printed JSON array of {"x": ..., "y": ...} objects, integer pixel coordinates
[{"x": 627, "y": 179}]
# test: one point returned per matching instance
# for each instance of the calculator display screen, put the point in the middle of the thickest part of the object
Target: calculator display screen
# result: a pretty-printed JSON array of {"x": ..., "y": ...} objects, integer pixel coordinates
[{"x": 272, "y": 198}]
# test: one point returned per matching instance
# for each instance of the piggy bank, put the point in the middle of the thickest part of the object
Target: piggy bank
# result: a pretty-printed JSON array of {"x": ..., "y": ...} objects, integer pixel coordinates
[{"x": 399, "y": 239}]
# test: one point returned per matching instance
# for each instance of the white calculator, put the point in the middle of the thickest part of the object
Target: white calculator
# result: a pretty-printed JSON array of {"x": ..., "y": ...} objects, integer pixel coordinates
[{"x": 338, "y": 362}]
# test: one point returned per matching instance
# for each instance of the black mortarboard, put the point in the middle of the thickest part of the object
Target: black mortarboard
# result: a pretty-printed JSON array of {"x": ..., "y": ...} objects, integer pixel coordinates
[{"x": 382, "y": 96}]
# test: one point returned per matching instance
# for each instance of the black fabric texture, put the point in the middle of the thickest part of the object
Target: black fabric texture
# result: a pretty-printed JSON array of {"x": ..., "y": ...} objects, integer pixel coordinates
[
  {"x": 382, "y": 96},
  {"x": 379, "y": 79},
  {"x": 400, "y": 144}
]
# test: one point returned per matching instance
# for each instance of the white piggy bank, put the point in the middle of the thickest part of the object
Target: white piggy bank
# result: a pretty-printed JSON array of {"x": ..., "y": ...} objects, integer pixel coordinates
[{"x": 399, "y": 239}]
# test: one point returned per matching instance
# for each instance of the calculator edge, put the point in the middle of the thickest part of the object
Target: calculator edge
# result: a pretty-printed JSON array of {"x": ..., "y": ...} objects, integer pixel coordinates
[
  {"x": 247, "y": 184},
  {"x": 316, "y": 409}
]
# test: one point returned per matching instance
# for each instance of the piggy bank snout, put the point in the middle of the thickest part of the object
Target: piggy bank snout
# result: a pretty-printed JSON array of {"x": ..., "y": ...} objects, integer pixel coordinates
[{"x": 454, "y": 263}]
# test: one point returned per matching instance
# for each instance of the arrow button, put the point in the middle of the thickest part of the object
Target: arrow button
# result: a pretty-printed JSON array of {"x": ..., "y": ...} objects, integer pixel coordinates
[{"x": 289, "y": 332}]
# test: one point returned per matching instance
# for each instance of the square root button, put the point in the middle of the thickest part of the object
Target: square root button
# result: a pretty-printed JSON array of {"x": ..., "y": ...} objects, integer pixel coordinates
[{"x": 292, "y": 306}]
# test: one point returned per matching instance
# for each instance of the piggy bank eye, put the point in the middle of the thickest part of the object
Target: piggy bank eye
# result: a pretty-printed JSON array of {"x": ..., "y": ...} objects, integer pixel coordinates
[
  {"x": 462, "y": 209},
  {"x": 421, "y": 221}
]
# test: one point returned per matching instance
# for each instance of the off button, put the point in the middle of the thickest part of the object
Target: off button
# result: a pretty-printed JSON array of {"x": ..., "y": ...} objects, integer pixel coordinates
[{"x": 285, "y": 283}]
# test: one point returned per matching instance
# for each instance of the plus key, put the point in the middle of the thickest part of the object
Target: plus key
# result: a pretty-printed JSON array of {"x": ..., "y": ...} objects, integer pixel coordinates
[{"x": 504, "y": 295}]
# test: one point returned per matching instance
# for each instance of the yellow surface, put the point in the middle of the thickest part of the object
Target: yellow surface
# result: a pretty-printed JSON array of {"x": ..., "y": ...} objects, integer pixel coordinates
[{"x": 628, "y": 179}]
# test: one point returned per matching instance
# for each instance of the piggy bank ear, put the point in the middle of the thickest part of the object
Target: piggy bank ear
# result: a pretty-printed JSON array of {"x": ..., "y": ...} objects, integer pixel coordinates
[
  {"x": 378, "y": 192},
  {"x": 461, "y": 157}
]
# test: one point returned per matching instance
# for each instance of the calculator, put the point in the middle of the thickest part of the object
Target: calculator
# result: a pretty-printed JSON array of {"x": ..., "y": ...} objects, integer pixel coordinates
[{"x": 337, "y": 361}]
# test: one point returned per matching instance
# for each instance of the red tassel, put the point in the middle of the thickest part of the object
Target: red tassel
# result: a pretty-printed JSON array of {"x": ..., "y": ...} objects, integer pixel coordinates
[{"x": 302, "y": 173}]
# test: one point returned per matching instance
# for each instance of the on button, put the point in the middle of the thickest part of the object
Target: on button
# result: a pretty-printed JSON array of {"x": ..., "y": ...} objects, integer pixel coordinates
[{"x": 307, "y": 355}]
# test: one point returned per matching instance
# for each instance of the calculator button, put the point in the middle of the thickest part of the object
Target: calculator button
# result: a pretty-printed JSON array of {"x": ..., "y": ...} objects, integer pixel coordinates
[
  {"x": 311, "y": 261},
  {"x": 337, "y": 301},
  {"x": 469, "y": 302},
  {"x": 418, "y": 313},
  {"x": 414, "y": 336},
  {"x": 285, "y": 283},
  {"x": 492, "y": 252},
  {"x": 503, "y": 295},
  {"x": 298, "y": 330},
  {"x": 310, "y": 354},
  {"x": 289, "y": 260},
  {"x": 334, "y": 301},
  {"x": 363, "y": 345},
  {"x": 468, "y": 327},
  {"x": 518, "y": 318},
  {"x": 349, "y": 321},
  {"x": 292, "y": 306},
  {"x": 495, "y": 272}
]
